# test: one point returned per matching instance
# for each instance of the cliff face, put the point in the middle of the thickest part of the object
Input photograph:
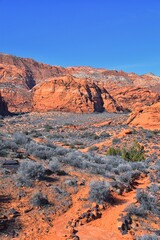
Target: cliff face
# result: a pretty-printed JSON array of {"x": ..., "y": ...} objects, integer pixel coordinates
[
  {"x": 14, "y": 88},
  {"x": 18, "y": 76},
  {"x": 27, "y": 85}
]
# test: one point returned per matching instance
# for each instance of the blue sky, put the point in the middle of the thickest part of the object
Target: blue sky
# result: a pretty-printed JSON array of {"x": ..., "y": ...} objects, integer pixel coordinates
[{"x": 114, "y": 34}]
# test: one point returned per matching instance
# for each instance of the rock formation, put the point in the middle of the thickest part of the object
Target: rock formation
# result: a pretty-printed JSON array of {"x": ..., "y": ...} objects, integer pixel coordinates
[
  {"x": 146, "y": 117},
  {"x": 27, "y": 85},
  {"x": 68, "y": 93}
]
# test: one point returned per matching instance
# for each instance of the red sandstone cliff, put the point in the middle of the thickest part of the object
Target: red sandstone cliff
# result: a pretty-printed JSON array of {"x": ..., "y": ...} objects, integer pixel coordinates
[{"x": 27, "y": 85}]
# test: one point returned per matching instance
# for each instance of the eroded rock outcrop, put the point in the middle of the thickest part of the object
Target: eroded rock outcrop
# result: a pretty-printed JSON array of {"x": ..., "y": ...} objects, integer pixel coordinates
[
  {"x": 18, "y": 76},
  {"x": 68, "y": 93},
  {"x": 146, "y": 117}
]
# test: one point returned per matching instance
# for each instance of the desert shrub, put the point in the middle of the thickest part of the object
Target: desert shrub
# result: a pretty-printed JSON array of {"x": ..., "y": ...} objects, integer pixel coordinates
[
  {"x": 39, "y": 150},
  {"x": 39, "y": 200},
  {"x": 113, "y": 152},
  {"x": 149, "y": 134},
  {"x": 54, "y": 165},
  {"x": 75, "y": 159},
  {"x": 124, "y": 168},
  {"x": 89, "y": 135},
  {"x": 147, "y": 201},
  {"x": 140, "y": 166},
  {"x": 61, "y": 193},
  {"x": 134, "y": 210},
  {"x": 63, "y": 198},
  {"x": 72, "y": 182},
  {"x": 128, "y": 178},
  {"x": 116, "y": 140},
  {"x": 96, "y": 168},
  {"x": 22, "y": 181},
  {"x": 31, "y": 170},
  {"x": 154, "y": 176},
  {"x": 148, "y": 237},
  {"x": 8, "y": 144},
  {"x": 99, "y": 192},
  {"x": 61, "y": 151},
  {"x": 135, "y": 153},
  {"x": 157, "y": 165},
  {"x": 155, "y": 188},
  {"x": 51, "y": 145},
  {"x": 125, "y": 177},
  {"x": 113, "y": 161},
  {"x": 76, "y": 142},
  {"x": 20, "y": 138}
]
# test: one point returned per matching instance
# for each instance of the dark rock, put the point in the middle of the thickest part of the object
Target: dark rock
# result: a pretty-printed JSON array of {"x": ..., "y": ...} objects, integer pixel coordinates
[
  {"x": 14, "y": 213},
  {"x": 10, "y": 162}
]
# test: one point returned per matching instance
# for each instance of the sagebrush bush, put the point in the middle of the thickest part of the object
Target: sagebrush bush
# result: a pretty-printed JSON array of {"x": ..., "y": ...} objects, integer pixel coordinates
[
  {"x": 61, "y": 193},
  {"x": 99, "y": 192},
  {"x": 31, "y": 170},
  {"x": 22, "y": 181},
  {"x": 54, "y": 165},
  {"x": 134, "y": 210},
  {"x": 148, "y": 237},
  {"x": 39, "y": 200},
  {"x": 20, "y": 138},
  {"x": 39, "y": 150},
  {"x": 148, "y": 201},
  {"x": 155, "y": 188},
  {"x": 124, "y": 168},
  {"x": 72, "y": 182},
  {"x": 125, "y": 177},
  {"x": 8, "y": 144}
]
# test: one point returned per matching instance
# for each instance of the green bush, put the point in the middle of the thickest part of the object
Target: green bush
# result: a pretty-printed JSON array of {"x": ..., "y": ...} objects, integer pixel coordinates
[
  {"x": 135, "y": 153},
  {"x": 114, "y": 151}
]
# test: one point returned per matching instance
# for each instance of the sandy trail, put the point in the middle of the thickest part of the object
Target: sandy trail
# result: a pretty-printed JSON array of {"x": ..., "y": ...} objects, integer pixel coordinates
[{"x": 105, "y": 228}]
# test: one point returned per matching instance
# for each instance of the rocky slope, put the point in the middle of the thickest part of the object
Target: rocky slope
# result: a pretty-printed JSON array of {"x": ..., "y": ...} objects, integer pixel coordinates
[{"x": 27, "y": 85}]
